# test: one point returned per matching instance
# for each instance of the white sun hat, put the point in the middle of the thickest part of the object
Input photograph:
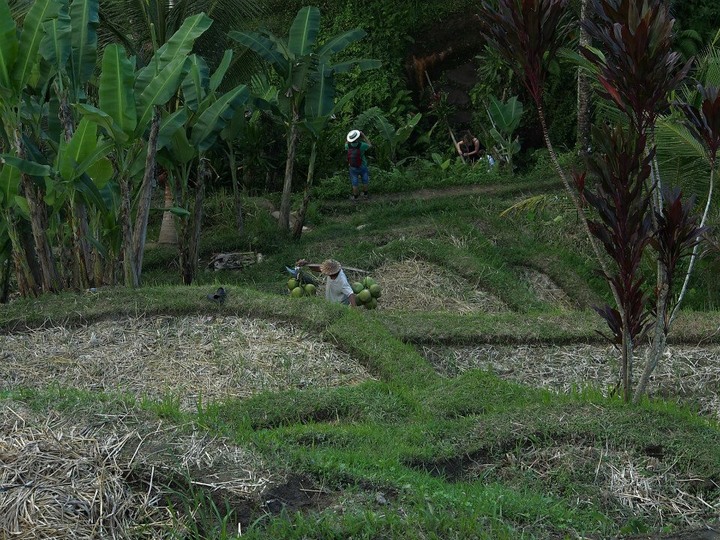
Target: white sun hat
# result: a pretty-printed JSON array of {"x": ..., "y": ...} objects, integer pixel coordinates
[{"x": 353, "y": 136}]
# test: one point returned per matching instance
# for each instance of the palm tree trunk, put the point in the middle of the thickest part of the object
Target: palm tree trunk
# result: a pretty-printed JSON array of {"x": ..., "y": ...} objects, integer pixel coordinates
[
  {"x": 289, "y": 165},
  {"x": 168, "y": 232},
  {"x": 576, "y": 201},
  {"x": 237, "y": 199},
  {"x": 583, "y": 91}
]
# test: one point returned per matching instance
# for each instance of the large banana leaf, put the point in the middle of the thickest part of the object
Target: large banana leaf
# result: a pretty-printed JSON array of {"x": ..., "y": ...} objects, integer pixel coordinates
[
  {"x": 320, "y": 99},
  {"x": 338, "y": 43},
  {"x": 8, "y": 45},
  {"x": 178, "y": 152},
  {"x": 304, "y": 31},
  {"x": 505, "y": 116},
  {"x": 104, "y": 120},
  {"x": 116, "y": 94},
  {"x": 177, "y": 47},
  {"x": 216, "y": 117},
  {"x": 82, "y": 151},
  {"x": 160, "y": 90},
  {"x": 219, "y": 74},
  {"x": 169, "y": 126},
  {"x": 363, "y": 64},
  {"x": 31, "y": 168},
  {"x": 55, "y": 46},
  {"x": 264, "y": 47},
  {"x": 194, "y": 86},
  {"x": 403, "y": 132},
  {"x": 32, "y": 34},
  {"x": 9, "y": 183},
  {"x": 84, "y": 15}
]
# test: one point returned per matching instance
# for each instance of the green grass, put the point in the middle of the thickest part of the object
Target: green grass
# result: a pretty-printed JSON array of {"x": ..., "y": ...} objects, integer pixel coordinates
[{"x": 410, "y": 454}]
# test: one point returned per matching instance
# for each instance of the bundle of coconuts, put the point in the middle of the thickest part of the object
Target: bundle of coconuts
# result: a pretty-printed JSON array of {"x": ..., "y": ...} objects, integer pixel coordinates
[{"x": 367, "y": 292}]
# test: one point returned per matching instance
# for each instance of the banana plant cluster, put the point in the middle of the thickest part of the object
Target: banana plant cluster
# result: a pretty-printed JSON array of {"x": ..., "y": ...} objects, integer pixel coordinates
[
  {"x": 191, "y": 131},
  {"x": 79, "y": 153}
]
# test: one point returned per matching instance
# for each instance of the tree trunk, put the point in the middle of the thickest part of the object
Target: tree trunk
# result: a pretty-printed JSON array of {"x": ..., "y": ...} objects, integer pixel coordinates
[
  {"x": 146, "y": 189},
  {"x": 168, "y": 231},
  {"x": 190, "y": 241},
  {"x": 573, "y": 197},
  {"x": 657, "y": 347},
  {"x": 38, "y": 223},
  {"x": 694, "y": 255},
  {"x": 27, "y": 284},
  {"x": 237, "y": 199},
  {"x": 131, "y": 279},
  {"x": 297, "y": 232},
  {"x": 82, "y": 252},
  {"x": 583, "y": 91},
  {"x": 5, "y": 294},
  {"x": 289, "y": 165}
]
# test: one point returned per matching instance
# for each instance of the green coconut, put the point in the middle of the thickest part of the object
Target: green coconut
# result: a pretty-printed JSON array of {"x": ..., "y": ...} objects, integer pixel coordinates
[
  {"x": 364, "y": 296},
  {"x": 375, "y": 290},
  {"x": 297, "y": 292}
]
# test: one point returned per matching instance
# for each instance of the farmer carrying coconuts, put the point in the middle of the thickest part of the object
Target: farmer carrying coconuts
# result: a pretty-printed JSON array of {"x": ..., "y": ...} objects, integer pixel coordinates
[{"x": 337, "y": 288}]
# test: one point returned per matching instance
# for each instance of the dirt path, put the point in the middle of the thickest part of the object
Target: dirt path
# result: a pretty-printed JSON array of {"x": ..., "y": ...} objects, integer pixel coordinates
[{"x": 456, "y": 191}]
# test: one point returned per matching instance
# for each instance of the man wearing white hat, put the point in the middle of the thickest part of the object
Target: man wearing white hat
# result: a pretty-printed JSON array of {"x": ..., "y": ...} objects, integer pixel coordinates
[{"x": 356, "y": 145}]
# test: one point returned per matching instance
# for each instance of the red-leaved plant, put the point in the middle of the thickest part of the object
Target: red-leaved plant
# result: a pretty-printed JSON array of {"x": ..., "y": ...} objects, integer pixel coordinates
[{"x": 637, "y": 70}]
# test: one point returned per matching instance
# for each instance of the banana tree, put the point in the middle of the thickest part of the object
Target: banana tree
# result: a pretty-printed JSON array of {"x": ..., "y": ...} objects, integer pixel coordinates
[
  {"x": 304, "y": 68},
  {"x": 127, "y": 109},
  {"x": 391, "y": 137},
  {"x": 245, "y": 130},
  {"x": 69, "y": 48},
  {"x": 186, "y": 137},
  {"x": 505, "y": 118},
  {"x": 323, "y": 111},
  {"x": 19, "y": 62}
]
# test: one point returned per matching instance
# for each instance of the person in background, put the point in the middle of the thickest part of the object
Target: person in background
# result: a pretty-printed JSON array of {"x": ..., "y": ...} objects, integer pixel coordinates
[
  {"x": 469, "y": 147},
  {"x": 356, "y": 145},
  {"x": 337, "y": 287}
]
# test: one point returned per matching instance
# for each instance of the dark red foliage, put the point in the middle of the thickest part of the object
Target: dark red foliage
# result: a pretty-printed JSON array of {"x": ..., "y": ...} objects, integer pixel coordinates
[
  {"x": 621, "y": 167},
  {"x": 704, "y": 121},
  {"x": 677, "y": 231},
  {"x": 639, "y": 67},
  {"x": 527, "y": 33}
]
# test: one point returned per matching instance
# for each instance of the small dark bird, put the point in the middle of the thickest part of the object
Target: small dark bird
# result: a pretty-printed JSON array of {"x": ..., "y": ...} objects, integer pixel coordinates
[{"x": 219, "y": 296}]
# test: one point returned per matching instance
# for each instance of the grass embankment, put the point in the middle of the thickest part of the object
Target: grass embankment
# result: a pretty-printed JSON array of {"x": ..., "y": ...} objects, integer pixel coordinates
[{"x": 413, "y": 454}]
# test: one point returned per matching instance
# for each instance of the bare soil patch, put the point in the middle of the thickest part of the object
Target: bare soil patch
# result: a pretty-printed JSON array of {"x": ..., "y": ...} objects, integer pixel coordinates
[{"x": 186, "y": 358}]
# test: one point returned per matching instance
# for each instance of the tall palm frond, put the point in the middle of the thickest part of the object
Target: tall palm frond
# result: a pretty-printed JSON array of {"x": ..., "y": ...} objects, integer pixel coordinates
[
  {"x": 144, "y": 25},
  {"x": 682, "y": 159}
]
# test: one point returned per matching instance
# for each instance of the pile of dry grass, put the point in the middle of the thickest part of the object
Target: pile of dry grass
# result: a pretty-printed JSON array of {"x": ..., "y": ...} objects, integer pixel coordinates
[
  {"x": 690, "y": 374},
  {"x": 630, "y": 485},
  {"x": 188, "y": 358},
  {"x": 546, "y": 289},
  {"x": 103, "y": 477},
  {"x": 415, "y": 285}
]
